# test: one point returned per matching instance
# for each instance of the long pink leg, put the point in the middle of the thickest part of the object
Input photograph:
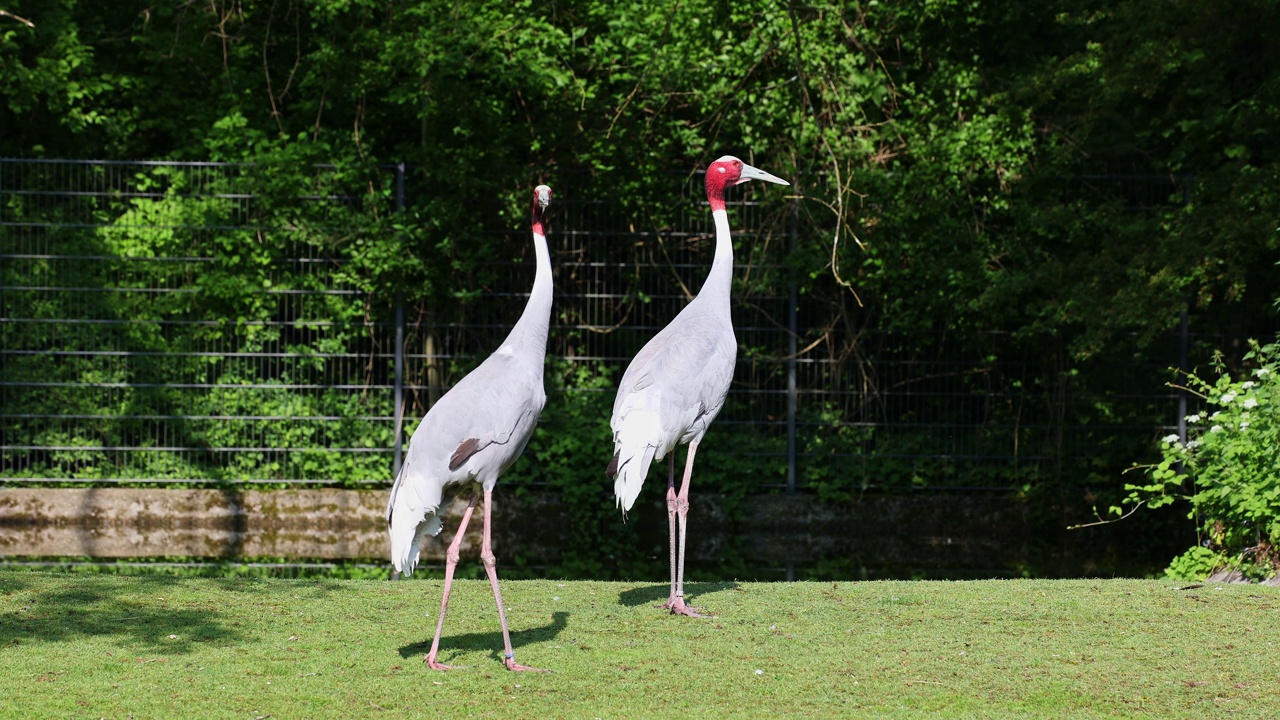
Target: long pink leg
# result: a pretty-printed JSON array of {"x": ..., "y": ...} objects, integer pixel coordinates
[
  {"x": 676, "y": 604},
  {"x": 450, "y": 563},
  {"x": 491, "y": 568},
  {"x": 671, "y": 525}
]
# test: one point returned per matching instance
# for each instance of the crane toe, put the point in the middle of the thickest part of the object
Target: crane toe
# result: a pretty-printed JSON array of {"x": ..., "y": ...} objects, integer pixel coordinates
[
  {"x": 513, "y": 666},
  {"x": 431, "y": 663},
  {"x": 677, "y": 606}
]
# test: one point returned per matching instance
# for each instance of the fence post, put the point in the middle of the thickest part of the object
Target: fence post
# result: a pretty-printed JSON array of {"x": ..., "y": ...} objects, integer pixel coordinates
[
  {"x": 792, "y": 301},
  {"x": 399, "y": 352},
  {"x": 1183, "y": 339},
  {"x": 3, "y": 399}
]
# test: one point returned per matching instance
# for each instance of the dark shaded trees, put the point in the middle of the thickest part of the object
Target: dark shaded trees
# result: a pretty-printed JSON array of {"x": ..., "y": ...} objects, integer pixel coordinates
[{"x": 1072, "y": 173}]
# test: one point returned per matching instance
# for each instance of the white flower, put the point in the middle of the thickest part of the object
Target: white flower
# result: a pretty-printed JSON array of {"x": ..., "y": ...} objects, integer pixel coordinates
[
  {"x": 1216, "y": 415},
  {"x": 1247, "y": 384},
  {"x": 1193, "y": 418},
  {"x": 1193, "y": 444},
  {"x": 1170, "y": 439},
  {"x": 1251, "y": 402},
  {"x": 1261, "y": 371},
  {"x": 1244, "y": 424},
  {"x": 1227, "y": 398},
  {"x": 1216, "y": 428}
]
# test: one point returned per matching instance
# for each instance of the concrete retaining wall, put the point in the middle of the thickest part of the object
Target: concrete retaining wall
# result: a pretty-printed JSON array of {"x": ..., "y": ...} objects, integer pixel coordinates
[{"x": 892, "y": 535}]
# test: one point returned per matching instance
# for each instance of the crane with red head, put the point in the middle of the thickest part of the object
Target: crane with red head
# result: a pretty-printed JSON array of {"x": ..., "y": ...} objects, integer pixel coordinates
[{"x": 677, "y": 383}]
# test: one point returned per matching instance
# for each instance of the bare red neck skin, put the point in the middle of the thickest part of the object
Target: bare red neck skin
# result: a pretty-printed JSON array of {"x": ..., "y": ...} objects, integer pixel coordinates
[
  {"x": 720, "y": 175},
  {"x": 537, "y": 218}
]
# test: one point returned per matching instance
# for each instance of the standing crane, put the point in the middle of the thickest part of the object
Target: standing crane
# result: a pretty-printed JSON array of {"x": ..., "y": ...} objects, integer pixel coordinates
[
  {"x": 470, "y": 437},
  {"x": 676, "y": 385}
]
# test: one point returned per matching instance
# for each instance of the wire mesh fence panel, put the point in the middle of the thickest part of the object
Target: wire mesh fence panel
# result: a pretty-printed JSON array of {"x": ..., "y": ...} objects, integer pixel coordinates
[
  {"x": 137, "y": 348},
  {"x": 177, "y": 323}
]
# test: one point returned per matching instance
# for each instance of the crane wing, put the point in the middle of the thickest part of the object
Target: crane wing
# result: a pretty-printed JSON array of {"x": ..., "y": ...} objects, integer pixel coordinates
[
  {"x": 681, "y": 376},
  {"x": 475, "y": 431},
  {"x": 669, "y": 394},
  {"x": 484, "y": 421}
]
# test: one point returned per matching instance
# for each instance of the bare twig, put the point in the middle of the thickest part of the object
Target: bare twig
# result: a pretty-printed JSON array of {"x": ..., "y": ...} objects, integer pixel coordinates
[
  {"x": 266, "y": 69},
  {"x": 22, "y": 20},
  {"x": 1100, "y": 521},
  {"x": 1176, "y": 386},
  {"x": 662, "y": 245},
  {"x": 643, "y": 74},
  {"x": 835, "y": 165},
  {"x": 926, "y": 682}
]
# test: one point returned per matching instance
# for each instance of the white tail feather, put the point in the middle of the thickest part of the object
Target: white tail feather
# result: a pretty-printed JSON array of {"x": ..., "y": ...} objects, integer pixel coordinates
[
  {"x": 635, "y": 443},
  {"x": 633, "y": 466},
  {"x": 411, "y": 517},
  {"x": 407, "y": 538}
]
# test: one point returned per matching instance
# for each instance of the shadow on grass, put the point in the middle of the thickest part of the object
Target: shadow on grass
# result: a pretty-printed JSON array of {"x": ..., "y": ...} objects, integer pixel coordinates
[
  {"x": 451, "y": 645},
  {"x": 85, "y": 606},
  {"x": 314, "y": 587},
  {"x": 658, "y": 594},
  {"x": 11, "y": 583}
]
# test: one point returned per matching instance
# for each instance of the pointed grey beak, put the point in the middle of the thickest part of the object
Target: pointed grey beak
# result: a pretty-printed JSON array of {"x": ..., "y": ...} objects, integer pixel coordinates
[{"x": 750, "y": 173}]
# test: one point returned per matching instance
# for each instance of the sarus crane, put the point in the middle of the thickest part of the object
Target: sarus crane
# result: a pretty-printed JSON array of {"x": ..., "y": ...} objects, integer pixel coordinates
[
  {"x": 471, "y": 436},
  {"x": 677, "y": 383}
]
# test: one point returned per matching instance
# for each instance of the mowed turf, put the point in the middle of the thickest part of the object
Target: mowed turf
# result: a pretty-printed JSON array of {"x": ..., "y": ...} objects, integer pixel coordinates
[{"x": 160, "y": 647}]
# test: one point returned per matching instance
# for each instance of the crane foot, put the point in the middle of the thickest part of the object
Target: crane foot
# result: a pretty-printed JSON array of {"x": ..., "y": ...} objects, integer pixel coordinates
[
  {"x": 515, "y": 667},
  {"x": 431, "y": 663},
  {"x": 677, "y": 607}
]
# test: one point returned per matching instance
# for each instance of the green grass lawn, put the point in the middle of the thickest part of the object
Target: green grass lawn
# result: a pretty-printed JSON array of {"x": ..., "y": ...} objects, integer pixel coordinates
[{"x": 161, "y": 647}]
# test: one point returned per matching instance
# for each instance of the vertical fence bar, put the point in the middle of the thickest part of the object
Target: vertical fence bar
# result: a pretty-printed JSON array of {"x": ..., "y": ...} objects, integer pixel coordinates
[
  {"x": 399, "y": 352},
  {"x": 399, "y": 387},
  {"x": 792, "y": 300},
  {"x": 2, "y": 308},
  {"x": 1183, "y": 339}
]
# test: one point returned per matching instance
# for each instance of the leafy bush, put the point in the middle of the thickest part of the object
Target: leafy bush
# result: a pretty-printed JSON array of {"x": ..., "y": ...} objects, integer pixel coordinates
[{"x": 1228, "y": 470}]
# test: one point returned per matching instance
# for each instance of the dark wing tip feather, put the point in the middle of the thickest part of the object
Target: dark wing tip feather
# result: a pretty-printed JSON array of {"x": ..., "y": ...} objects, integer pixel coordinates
[
  {"x": 612, "y": 470},
  {"x": 465, "y": 450}
]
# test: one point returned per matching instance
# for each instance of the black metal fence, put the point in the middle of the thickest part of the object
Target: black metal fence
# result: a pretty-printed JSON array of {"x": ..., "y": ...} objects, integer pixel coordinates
[{"x": 134, "y": 349}]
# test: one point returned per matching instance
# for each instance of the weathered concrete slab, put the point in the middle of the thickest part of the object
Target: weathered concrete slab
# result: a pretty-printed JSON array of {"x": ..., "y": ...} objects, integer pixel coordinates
[
  {"x": 886, "y": 535},
  {"x": 147, "y": 522}
]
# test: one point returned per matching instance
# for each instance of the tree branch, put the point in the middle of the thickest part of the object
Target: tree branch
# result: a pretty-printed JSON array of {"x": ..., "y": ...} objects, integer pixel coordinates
[{"x": 22, "y": 20}]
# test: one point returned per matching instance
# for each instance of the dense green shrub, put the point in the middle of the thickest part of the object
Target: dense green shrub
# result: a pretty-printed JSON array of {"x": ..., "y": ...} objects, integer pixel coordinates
[{"x": 1228, "y": 470}]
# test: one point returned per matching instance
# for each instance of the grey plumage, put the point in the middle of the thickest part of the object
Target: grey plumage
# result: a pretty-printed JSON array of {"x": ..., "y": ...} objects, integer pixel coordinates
[
  {"x": 672, "y": 390},
  {"x": 471, "y": 436},
  {"x": 676, "y": 385}
]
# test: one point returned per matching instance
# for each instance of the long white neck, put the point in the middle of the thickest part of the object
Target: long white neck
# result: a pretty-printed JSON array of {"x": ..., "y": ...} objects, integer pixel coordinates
[
  {"x": 530, "y": 333},
  {"x": 720, "y": 279}
]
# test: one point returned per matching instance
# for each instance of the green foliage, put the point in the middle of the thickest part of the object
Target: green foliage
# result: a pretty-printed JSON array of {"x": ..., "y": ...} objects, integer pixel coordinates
[
  {"x": 568, "y": 453},
  {"x": 1197, "y": 563},
  {"x": 1070, "y": 175},
  {"x": 181, "y": 310},
  {"x": 1228, "y": 470},
  {"x": 935, "y": 134}
]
